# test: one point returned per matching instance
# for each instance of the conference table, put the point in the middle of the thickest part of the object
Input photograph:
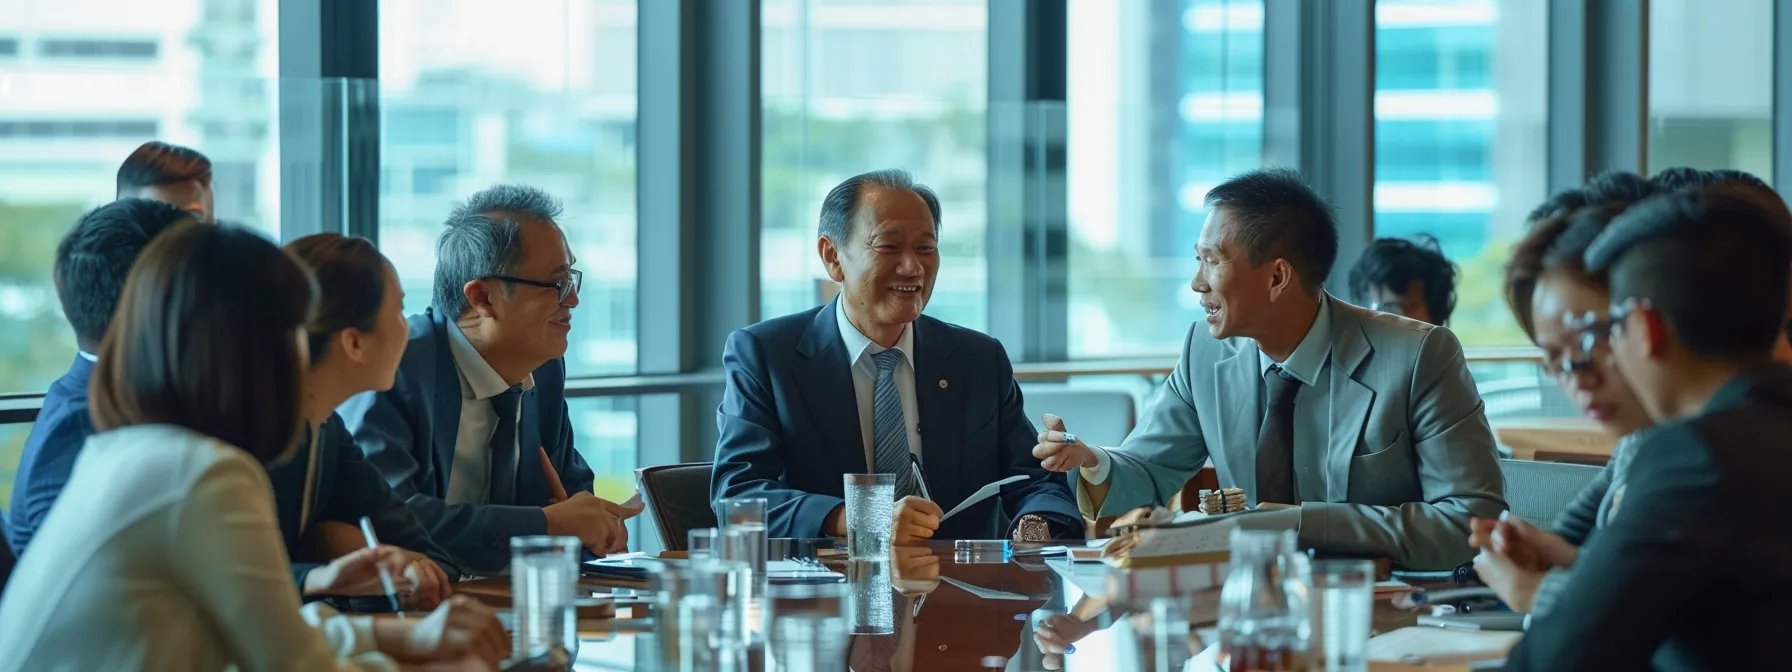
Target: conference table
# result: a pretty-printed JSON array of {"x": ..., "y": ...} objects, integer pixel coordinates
[{"x": 984, "y": 615}]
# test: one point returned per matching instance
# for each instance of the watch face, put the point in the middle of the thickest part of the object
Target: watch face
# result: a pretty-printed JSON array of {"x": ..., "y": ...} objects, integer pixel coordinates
[{"x": 1032, "y": 528}]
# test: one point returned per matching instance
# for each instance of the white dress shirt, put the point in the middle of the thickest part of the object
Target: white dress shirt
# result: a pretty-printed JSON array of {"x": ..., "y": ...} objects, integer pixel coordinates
[
  {"x": 470, "y": 481},
  {"x": 1305, "y": 363},
  {"x": 859, "y": 350},
  {"x": 165, "y": 555}
]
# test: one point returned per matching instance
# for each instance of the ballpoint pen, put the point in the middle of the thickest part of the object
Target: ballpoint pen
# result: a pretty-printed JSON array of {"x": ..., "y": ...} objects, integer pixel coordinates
[
  {"x": 920, "y": 476},
  {"x": 385, "y": 576}
]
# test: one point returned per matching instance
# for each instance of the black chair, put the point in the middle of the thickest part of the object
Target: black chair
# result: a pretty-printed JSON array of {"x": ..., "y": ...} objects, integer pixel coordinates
[
  {"x": 678, "y": 497},
  {"x": 1538, "y": 491}
]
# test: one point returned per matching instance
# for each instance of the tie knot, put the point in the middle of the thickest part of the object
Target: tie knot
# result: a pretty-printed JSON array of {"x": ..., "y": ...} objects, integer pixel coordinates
[
  {"x": 508, "y": 399},
  {"x": 1282, "y": 385},
  {"x": 887, "y": 359}
]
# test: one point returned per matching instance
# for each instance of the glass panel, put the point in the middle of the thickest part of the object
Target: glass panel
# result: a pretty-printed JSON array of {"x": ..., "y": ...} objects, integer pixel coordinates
[
  {"x": 1711, "y": 85},
  {"x": 607, "y": 441},
  {"x": 545, "y": 98},
  {"x": 1461, "y": 95},
  {"x": 1165, "y": 101},
  {"x": 854, "y": 86}
]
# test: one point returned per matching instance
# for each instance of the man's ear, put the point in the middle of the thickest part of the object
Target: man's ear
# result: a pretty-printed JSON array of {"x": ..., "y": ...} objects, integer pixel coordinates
[
  {"x": 479, "y": 297},
  {"x": 1282, "y": 278},
  {"x": 830, "y": 258},
  {"x": 1655, "y": 332}
]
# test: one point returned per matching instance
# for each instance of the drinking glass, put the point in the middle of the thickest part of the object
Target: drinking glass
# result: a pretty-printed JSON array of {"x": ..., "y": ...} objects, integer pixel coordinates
[
  {"x": 872, "y": 605},
  {"x": 809, "y": 629},
  {"x": 870, "y": 510},
  {"x": 701, "y": 544},
  {"x": 544, "y": 575},
  {"x": 1264, "y": 622},
  {"x": 1343, "y": 605},
  {"x": 701, "y": 622}
]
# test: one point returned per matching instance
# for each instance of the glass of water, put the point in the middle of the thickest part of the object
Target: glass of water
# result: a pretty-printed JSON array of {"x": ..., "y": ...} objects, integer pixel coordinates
[
  {"x": 701, "y": 615},
  {"x": 544, "y": 575},
  {"x": 701, "y": 543},
  {"x": 870, "y": 515},
  {"x": 809, "y": 630},
  {"x": 1343, "y": 602}
]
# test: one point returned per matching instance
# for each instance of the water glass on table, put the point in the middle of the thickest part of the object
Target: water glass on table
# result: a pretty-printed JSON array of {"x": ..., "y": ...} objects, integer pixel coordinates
[
  {"x": 870, "y": 510},
  {"x": 544, "y": 576},
  {"x": 702, "y": 543},
  {"x": 701, "y": 614},
  {"x": 1343, "y": 604},
  {"x": 809, "y": 630}
]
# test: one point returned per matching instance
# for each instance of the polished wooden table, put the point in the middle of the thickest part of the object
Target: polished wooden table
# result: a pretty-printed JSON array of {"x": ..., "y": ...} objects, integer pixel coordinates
[{"x": 967, "y": 616}]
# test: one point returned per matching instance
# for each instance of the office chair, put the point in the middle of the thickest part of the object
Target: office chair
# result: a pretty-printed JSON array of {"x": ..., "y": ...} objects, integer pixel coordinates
[{"x": 678, "y": 497}]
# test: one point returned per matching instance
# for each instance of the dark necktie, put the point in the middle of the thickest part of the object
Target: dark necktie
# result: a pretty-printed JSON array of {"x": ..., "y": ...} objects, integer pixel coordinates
[
  {"x": 1275, "y": 439},
  {"x": 503, "y": 453},
  {"x": 889, "y": 426}
]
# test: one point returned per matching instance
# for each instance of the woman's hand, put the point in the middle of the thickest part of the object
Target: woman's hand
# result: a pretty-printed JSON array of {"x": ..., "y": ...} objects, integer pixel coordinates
[{"x": 460, "y": 628}]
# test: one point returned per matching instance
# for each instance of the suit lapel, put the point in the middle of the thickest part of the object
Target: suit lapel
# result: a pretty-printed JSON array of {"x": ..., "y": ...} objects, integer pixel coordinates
[
  {"x": 940, "y": 403},
  {"x": 828, "y": 392},
  {"x": 1350, "y": 399},
  {"x": 1236, "y": 386},
  {"x": 446, "y": 421}
]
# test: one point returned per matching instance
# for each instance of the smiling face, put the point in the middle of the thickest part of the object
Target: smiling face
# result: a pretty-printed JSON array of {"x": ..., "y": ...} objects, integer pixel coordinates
[
  {"x": 531, "y": 321},
  {"x": 1595, "y": 386},
  {"x": 1234, "y": 294},
  {"x": 888, "y": 262}
]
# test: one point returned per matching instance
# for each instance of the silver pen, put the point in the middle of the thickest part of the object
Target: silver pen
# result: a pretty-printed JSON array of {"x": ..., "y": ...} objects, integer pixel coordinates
[
  {"x": 914, "y": 464},
  {"x": 385, "y": 576}
]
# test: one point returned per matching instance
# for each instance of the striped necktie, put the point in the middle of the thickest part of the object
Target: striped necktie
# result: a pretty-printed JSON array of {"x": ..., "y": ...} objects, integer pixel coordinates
[{"x": 889, "y": 428}]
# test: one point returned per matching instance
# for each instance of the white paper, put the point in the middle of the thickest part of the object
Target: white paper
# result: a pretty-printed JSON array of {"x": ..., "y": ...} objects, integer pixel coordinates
[
  {"x": 985, "y": 593},
  {"x": 986, "y": 492}
]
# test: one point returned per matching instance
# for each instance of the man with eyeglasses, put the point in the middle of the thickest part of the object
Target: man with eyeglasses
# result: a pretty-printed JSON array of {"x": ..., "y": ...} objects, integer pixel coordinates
[
  {"x": 1698, "y": 282},
  {"x": 475, "y": 433}
]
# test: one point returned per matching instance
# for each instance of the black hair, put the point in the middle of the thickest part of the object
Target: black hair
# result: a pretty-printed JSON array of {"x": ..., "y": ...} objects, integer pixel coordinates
[
  {"x": 156, "y": 163},
  {"x": 484, "y": 237},
  {"x": 842, "y": 202},
  {"x": 1274, "y": 214},
  {"x": 1713, "y": 262},
  {"x": 1396, "y": 263},
  {"x": 96, "y": 255},
  {"x": 351, "y": 284},
  {"x": 1557, "y": 243}
]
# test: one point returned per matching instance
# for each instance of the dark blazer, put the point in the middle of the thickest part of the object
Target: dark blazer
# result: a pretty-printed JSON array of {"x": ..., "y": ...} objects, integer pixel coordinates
[
  {"x": 408, "y": 435},
  {"x": 56, "y": 438},
  {"x": 346, "y": 488},
  {"x": 1690, "y": 571},
  {"x": 788, "y": 426}
]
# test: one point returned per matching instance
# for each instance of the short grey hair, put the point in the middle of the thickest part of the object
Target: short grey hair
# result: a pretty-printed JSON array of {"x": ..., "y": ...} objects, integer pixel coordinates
[
  {"x": 842, "y": 203},
  {"x": 483, "y": 237}
]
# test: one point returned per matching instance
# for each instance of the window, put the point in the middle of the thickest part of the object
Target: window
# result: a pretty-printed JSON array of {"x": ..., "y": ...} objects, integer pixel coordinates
[
  {"x": 9, "y": 47},
  {"x": 124, "y": 50},
  {"x": 1711, "y": 85},
  {"x": 827, "y": 117},
  {"x": 61, "y": 129},
  {"x": 1460, "y": 100},
  {"x": 1165, "y": 101}
]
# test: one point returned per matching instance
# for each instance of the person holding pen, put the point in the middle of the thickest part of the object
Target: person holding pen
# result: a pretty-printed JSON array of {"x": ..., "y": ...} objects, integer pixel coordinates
[{"x": 868, "y": 384}]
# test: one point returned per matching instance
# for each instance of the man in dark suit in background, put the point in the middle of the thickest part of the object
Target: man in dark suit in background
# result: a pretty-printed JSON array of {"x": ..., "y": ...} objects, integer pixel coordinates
[
  {"x": 475, "y": 433},
  {"x": 1698, "y": 287},
  {"x": 867, "y": 383}
]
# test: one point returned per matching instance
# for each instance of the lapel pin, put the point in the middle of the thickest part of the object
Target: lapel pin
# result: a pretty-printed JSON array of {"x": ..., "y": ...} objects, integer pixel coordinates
[{"x": 942, "y": 383}]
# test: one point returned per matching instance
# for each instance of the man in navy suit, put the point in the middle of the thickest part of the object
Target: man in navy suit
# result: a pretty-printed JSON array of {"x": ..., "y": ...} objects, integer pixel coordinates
[
  {"x": 868, "y": 384},
  {"x": 475, "y": 433}
]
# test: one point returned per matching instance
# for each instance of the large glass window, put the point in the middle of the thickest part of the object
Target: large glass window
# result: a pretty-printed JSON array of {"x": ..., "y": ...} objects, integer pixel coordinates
[
  {"x": 1165, "y": 101},
  {"x": 850, "y": 86},
  {"x": 1711, "y": 85},
  {"x": 1461, "y": 94},
  {"x": 537, "y": 92}
]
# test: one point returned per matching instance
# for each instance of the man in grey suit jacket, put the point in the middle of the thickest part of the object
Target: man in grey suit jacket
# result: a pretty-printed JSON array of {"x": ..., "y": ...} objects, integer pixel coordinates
[{"x": 1364, "y": 428}]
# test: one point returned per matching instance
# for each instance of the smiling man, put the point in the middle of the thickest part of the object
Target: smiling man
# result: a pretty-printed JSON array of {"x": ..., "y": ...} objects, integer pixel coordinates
[
  {"x": 1363, "y": 428},
  {"x": 868, "y": 384}
]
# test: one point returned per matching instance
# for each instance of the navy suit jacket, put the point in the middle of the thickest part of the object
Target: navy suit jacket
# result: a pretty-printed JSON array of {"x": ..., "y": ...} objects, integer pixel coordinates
[
  {"x": 408, "y": 434},
  {"x": 61, "y": 429},
  {"x": 788, "y": 426}
]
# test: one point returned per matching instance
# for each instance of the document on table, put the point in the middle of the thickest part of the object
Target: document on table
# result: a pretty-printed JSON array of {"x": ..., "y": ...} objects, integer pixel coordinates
[{"x": 985, "y": 492}]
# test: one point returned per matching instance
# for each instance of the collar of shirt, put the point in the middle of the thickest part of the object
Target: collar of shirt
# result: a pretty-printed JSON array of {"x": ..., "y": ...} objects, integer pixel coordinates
[
  {"x": 477, "y": 378},
  {"x": 1308, "y": 357},
  {"x": 89, "y": 356},
  {"x": 858, "y": 346}
]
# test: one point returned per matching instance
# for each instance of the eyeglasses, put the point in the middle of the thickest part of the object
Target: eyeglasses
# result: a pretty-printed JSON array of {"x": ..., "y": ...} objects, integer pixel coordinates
[{"x": 566, "y": 288}]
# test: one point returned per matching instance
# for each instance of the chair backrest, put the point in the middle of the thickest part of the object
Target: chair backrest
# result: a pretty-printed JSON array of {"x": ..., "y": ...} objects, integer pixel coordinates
[
  {"x": 678, "y": 497},
  {"x": 1538, "y": 491},
  {"x": 1098, "y": 416}
]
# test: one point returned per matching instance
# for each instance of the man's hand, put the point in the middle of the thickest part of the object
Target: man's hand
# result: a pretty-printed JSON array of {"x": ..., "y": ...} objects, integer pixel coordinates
[
  {"x": 597, "y": 523},
  {"x": 1525, "y": 545},
  {"x": 358, "y": 573},
  {"x": 1516, "y": 585},
  {"x": 916, "y": 520},
  {"x": 914, "y": 570},
  {"x": 431, "y": 585},
  {"x": 458, "y": 629},
  {"x": 1061, "y": 451}
]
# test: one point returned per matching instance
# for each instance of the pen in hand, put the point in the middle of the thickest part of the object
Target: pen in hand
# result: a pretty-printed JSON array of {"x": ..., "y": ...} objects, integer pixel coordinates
[
  {"x": 385, "y": 576},
  {"x": 920, "y": 476}
]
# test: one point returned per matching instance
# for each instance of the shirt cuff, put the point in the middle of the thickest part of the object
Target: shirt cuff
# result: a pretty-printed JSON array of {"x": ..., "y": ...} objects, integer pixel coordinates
[{"x": 1103, "y": 464}]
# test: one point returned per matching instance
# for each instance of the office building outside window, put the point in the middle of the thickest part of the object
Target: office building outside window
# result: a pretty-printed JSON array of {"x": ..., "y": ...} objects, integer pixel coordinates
[{"x": 1711, "y": 85}]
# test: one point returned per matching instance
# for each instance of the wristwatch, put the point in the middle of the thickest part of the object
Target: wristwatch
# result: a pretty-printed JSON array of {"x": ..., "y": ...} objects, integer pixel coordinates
[{"x": 1032, "y": 528}]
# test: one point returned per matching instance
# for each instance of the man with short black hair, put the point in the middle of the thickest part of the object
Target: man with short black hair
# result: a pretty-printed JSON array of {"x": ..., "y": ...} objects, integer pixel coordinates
[
  {"x": 868, "y": 384},
  {"x": 91, "y": 264},
  {"x": 176, "y": 175},
  {"x": 475, "y": 433},
  {"x": 1410, "y": 278},
  {"x": 1364, "y": 429},
  {"x": 1697, "y": 281}
]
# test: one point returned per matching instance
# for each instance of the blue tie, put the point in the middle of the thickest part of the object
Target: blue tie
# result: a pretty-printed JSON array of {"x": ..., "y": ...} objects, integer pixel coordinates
[
  {"x": 504, "y": 451},
  {"x": 889, "y": 431}
]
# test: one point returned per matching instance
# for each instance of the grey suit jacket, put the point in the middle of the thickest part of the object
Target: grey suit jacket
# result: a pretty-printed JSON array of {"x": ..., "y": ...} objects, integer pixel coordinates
[{"x": 1391, "y": 446}]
